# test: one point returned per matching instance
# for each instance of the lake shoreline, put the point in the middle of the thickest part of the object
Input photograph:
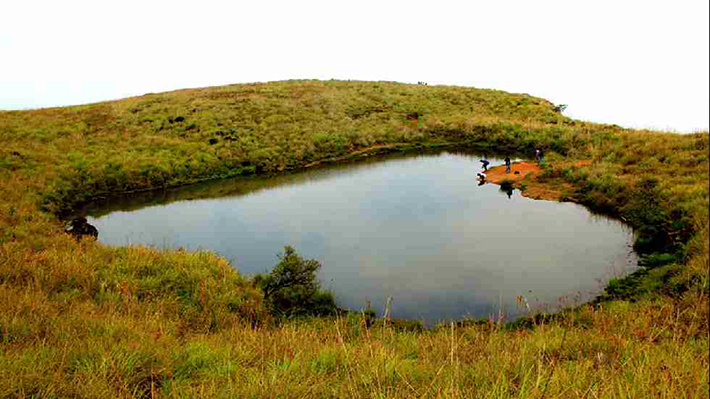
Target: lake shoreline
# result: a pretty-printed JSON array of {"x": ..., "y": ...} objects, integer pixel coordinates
[{"x": 495, "y": 174}]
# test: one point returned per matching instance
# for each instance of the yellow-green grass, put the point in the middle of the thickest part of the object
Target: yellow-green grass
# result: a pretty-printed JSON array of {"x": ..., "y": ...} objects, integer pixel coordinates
[{"x": 83, "y": 319}]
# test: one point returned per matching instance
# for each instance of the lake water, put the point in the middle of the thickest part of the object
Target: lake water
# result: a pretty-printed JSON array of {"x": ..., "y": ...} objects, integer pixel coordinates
[{"x": 416, "y": 227}]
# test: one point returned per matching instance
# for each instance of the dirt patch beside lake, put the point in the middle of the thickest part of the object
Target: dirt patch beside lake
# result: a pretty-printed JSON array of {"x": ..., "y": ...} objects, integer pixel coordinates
[
  {"x": 522, "y": 176},
  {"x": 518, "y": 171}
]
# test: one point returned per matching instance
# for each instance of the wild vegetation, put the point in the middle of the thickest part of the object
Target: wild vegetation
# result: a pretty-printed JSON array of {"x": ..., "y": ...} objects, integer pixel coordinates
[
  {"x": 293, "y": 289},
  {"x": 80, "y": 319}
]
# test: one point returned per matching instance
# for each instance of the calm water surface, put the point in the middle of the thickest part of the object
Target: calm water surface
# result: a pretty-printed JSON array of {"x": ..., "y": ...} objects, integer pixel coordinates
[{"x": 417, "y": 228}]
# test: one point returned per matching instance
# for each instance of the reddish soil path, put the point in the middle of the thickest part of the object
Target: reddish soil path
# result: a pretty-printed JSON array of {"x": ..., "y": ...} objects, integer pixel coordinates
[
  {"x": 518, "y": 171},
  {"x": 528, "y": 172}
]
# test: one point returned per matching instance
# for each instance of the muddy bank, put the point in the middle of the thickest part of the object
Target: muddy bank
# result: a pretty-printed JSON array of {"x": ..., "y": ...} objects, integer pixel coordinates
[{"x": 523, "y": 176}]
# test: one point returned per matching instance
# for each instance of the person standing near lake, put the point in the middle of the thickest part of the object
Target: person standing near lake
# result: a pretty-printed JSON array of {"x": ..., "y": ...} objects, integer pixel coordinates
[{"x": 507, "y": 164}]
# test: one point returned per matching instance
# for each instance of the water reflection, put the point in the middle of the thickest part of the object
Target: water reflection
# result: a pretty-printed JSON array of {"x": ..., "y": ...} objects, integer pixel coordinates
[
  {"x": 507, "y": 191},
  {"x": 419, "y": 228}
]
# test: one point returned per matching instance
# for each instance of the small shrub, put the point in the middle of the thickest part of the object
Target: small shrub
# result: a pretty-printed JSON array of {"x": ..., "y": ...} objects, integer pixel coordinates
[
  {"x": 292, "y": 289},
  {"x": 560, "y": 108}
]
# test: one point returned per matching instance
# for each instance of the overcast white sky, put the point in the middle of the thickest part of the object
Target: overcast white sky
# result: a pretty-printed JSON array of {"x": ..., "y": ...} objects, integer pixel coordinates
[{"x": 634, "y": 63}]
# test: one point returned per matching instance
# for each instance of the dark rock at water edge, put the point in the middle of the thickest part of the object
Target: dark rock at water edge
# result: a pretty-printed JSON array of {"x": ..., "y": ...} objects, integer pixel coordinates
[{"x": 80, "y": 228}]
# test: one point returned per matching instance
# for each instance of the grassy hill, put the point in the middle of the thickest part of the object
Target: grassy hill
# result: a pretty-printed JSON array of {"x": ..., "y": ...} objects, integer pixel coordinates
[{"x": 82, "y": 319}]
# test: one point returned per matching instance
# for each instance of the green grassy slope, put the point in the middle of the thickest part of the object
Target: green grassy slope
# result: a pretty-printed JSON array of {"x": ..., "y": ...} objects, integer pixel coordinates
[
  {"x": 82, "y": 319},
  {"x": 164, "y": 139}
]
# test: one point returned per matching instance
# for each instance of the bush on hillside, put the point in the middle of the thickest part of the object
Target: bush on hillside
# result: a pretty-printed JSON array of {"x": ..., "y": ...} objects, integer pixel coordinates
[{"x": 292, "y": 288}]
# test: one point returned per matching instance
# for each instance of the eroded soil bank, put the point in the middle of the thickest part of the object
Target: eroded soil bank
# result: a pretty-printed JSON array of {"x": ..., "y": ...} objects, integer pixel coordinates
[{"x": 523, "y": 176}]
